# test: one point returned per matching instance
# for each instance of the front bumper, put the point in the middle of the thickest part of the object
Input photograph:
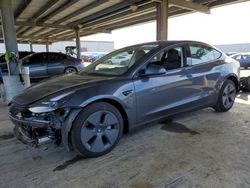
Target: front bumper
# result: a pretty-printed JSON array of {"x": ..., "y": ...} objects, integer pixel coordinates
[
  {"x": 30, "y": 122},
  {"x": 36, "y": 128}
]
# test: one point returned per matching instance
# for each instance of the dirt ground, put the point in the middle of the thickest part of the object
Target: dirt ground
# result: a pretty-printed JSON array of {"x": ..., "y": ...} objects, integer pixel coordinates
[{"x": 198, "y": 149}]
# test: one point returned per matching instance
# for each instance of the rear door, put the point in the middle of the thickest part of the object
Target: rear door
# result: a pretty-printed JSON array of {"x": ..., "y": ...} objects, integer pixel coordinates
[
  {"x": 161, "y": 95},
  {"x": 37, "y": 64},
  {"x": 56, "y": 64},
  {"x": 203, "y": 65}
]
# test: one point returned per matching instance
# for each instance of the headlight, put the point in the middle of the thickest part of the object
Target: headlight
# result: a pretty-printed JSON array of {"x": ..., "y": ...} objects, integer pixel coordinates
[
  {"x": 49, "y": 106},
  {"x": 45, "y": 107}
]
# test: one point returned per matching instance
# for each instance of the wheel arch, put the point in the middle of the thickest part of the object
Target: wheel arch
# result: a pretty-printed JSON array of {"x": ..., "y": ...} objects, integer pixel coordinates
[
  {"x": 234, "y": 78},
  {"x": 67, "y": 126}
]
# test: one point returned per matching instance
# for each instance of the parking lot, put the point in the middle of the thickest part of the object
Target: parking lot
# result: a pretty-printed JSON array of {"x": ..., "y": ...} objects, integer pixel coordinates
[{"x": 197, "y": 149}]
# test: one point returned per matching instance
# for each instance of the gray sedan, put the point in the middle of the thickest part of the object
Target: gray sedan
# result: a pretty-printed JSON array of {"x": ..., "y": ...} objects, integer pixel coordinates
[
  {"x": 48, "y": 64},
  {"x": 89, "y": 111}
]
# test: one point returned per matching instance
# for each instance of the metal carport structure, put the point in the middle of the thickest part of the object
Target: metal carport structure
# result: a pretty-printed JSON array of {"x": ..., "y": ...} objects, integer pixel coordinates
[{"x": 48, "y": 21}]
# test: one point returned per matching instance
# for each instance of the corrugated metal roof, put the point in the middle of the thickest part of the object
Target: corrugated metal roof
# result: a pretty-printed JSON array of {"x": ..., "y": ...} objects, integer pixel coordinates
[{"x": 39, "y": 21}]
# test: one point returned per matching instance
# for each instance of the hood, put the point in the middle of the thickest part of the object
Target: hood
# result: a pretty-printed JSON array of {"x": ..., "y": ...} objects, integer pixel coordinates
[{"x": 55, "y": 85}]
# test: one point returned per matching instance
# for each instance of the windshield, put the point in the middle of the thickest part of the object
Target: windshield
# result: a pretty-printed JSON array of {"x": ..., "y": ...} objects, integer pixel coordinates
[{"x": 118, "y": 62}]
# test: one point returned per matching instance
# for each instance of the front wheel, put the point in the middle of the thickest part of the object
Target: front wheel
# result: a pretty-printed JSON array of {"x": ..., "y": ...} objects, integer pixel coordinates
[
  {"x": 226, "y": 97},
  {"x": 97, "y": 130}
]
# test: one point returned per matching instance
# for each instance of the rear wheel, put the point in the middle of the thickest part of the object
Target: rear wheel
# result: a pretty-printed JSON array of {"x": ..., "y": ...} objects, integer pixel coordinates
[
  {"x": 70, "y": 70},
  {"x": 97, "y": 130},
  {"x": 226, "y": 97}
]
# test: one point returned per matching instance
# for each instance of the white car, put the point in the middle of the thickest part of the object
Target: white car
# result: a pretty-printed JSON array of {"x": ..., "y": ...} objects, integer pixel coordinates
[{"x": 119, "y": 60}]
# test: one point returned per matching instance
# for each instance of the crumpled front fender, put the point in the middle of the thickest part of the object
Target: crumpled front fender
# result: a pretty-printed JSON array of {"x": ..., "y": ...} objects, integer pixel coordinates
[{"x": 66, "y": 127}]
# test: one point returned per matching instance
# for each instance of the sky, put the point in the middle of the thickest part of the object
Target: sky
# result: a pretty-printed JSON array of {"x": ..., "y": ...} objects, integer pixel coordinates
[{"x": 225, "y": 25}]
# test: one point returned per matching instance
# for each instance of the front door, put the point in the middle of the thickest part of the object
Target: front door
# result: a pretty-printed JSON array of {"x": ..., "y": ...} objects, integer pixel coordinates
[{"x": 161, "y": 95}]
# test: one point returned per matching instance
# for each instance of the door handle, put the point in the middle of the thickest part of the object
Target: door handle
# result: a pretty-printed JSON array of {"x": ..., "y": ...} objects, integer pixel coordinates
[{"x": 128, "y": 92}]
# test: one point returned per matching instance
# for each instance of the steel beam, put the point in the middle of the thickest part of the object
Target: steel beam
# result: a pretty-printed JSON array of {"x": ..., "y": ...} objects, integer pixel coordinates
[
  {"x": 39, "y": 13},
  {"x": 41, "y": 24},
  {"x": 47, "y": 46},
  {"x": 64, "y": 6},
  {"x": 190, "y": 6},
  {"x": 22, "y": 8},
  {"x": 44, "y": 9},
  {"x": 88, "y": 7},
  {"x": 105, "y": 11},
  {"x": 31, "y": 47},
  {"x": 162, "y": 20},
  {"x": 122, "y": 14},
  {"x": 9, "y": 32},
  {"x": 78, "y": 43},
  {"x": 12, "y": 84},
  {"x": 140, "y": 19}
]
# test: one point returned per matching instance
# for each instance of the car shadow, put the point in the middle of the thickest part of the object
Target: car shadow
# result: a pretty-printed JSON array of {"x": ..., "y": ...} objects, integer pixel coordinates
[
  {"x": 176, "y": 127},
  {"x": 68, "y": 163}
]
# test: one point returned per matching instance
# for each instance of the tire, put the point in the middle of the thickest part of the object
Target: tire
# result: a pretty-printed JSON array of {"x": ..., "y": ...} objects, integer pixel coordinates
[
  {"x": 226, "y": 96},
  {"x": 245, "y": 84},
  {"x": 70, "y": 70},
  {"x": 97, "y": 130}
]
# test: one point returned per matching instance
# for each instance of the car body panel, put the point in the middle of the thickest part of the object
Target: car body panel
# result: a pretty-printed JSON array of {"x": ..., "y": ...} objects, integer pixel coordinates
[
  {"x": 37, "y": 64},
  {"x": 159, "y": 95},
  {"x": 142, "y": 98},
  {"x": 55, "y": 64}
]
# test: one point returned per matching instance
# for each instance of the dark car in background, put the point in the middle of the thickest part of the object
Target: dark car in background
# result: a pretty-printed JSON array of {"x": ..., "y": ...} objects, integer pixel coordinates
[
  {"x": 3, "y": 64},
  {"x": 243, "y": 58},
  {"x": 89, "y": 111},
  {"x": 47, "y": 64}
]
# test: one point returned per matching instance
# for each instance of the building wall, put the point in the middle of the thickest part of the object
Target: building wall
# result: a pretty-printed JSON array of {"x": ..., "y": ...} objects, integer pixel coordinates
[
  {"x": 244, "y": 47},
  {"x": 90, "y": 46}
]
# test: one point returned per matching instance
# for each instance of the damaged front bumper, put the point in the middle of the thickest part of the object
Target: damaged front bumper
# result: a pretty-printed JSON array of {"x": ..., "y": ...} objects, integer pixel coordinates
[
  {"x": 17, "y": 120},
  {"x": 36, "y": 129}
]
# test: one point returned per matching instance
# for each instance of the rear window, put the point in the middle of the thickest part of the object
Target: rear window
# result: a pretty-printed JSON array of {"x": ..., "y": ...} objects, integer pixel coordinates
[{"x": 200, "y": 54}]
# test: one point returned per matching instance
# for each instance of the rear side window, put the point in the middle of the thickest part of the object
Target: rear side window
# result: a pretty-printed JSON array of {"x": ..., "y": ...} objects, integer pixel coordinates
[
  {"x": 37, "y": 58},
  {"x": 200, "y": 54},
  {"x": 56, "y": 56}
]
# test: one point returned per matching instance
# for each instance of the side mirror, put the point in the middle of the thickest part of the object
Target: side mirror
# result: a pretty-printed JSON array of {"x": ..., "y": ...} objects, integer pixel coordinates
[{"x": 152, "y": 69}]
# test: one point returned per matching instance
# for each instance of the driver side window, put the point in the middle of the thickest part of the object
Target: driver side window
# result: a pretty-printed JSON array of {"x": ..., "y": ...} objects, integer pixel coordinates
[{"x": 170, "y": 59}]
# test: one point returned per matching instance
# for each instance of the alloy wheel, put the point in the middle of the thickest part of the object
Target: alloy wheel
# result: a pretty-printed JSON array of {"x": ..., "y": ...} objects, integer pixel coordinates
[
  {"x": 228, "y": 95},
  {"x": 100, "y": 131}
]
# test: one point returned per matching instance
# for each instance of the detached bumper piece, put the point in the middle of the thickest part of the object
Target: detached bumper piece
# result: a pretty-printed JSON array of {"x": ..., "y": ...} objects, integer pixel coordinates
[{"x": 35, "y": 129}]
